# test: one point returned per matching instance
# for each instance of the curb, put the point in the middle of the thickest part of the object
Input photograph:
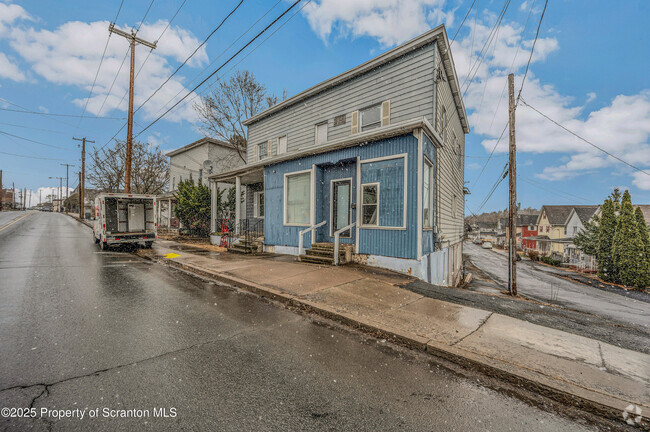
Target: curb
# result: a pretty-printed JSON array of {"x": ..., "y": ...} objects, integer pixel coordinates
[
  {"x": 603, "y": 405},
  {"x": 81, "y": 221}
]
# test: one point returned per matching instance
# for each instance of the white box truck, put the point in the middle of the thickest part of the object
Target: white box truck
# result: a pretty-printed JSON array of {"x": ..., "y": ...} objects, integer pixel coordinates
[{"x": 125, "y": 218}]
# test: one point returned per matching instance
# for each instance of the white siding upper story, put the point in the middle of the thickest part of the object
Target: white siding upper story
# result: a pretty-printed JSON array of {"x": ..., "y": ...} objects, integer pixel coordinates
[
  {"x": 413, "y": 84},
  {"x": 187, "y": 162}
]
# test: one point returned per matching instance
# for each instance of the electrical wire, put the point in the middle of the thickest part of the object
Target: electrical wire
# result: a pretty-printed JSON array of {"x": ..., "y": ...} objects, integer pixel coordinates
[
  {"x": 30, "y": 157},
  {"x": 35, "y": 142},
  {"x": 532, "y": 50},
  {"x": 61, "y": 115}
]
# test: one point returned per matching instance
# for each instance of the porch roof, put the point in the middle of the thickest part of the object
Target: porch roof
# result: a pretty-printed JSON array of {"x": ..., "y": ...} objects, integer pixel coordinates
[{"x": 392, "y": 130}]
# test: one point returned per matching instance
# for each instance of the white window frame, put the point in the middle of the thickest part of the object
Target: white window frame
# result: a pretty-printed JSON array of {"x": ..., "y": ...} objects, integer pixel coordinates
[
  {"x": 363, "y": 186},
  {"x": 256, "y": 204},
  {"x": 427, "y": 162},
  {"x": 381, "y": 114},
  {"x": 379, "y": 159},
  {"x": 318, "y": 125},
  {"x": 311, "y": 197},
  {"x": 265, "y": 144},
  {"x": 286, "y": 143}
]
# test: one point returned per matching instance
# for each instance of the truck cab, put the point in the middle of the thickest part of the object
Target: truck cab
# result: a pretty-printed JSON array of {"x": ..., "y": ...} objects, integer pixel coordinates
[{"x": 125, "y": 218}]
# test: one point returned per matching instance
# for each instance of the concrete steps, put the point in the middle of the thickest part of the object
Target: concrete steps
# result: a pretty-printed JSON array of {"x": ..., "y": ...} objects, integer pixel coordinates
[{"x": 323, "y": 253}]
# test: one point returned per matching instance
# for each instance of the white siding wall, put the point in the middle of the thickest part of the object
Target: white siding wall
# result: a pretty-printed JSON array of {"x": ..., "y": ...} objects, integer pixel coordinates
[
  {"x": 407, "y": 82},
  {"x": 450, "y": 177},
  {"x": 190, "y": 161}
]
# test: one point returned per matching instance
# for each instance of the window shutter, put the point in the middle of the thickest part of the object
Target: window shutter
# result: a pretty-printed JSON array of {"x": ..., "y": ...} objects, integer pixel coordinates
[
  {"x": 355, "y": 122},
  {"x": 385, "y": 113},
  {"x": 256, "y": 156},
  {"x": 270, "y": 145}
]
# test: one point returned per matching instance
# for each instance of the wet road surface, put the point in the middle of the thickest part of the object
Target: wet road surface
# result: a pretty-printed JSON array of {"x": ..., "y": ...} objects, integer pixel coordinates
[
  {"x": 544, "y": 286},
  {"x": 84, "y": 329}
]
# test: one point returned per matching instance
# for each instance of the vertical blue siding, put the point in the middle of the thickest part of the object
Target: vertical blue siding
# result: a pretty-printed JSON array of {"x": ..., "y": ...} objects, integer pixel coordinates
[
  {"x": 342, "y": 164},
  {"x": 429, "y": 150}
]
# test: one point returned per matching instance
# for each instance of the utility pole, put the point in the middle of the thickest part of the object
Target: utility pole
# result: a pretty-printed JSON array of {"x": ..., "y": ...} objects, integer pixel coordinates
[
  {"x": 82, "y": 181},
  {"x": 24, "y": 198},
  {"x": 2, "y": 192},
  {"x": 67, "y": 189},
  {"x": 79, "y": 195},
  {"x": 129, "y": 131},
  {"x": 512, "y": 188},
  {"x": 13, "y": 196},
  {"x": 60, "y": 187}
]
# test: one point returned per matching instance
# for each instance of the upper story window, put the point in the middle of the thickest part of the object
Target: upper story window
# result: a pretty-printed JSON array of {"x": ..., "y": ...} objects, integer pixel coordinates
[
  {"x": 282, "y": 144},
  {"x": 370, "y": 117},
  {"x": 321, "y": 133},
  {"x": 262, "y": 151}
]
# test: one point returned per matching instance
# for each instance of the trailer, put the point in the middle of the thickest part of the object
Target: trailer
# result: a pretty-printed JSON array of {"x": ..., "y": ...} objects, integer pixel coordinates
[{"x": 125, "y": 218}]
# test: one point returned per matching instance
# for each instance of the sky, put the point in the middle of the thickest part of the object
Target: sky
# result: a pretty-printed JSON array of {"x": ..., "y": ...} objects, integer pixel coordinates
[{"x": 589, "y": 73}]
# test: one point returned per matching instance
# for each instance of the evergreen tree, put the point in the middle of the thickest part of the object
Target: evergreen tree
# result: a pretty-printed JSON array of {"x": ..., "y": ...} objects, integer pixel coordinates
[
  {"x": 193, "y": 207},
  {"x": 628, "y": 250},
  {"x": 644, "y": 235},
  {"x": 606, "y": 268},
  {"x": 587, "y": 239}
]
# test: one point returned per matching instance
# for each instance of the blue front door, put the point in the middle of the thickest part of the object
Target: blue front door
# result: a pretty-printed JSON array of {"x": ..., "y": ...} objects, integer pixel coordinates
[
  {"x": 341, "y": 207},
  {"x": 335, "y": 198}
]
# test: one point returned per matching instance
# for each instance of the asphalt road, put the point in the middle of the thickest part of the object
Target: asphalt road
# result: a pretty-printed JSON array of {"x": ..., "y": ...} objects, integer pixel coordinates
[
  {"x": 541, "y": 285},
  {"x": 84, "y": 329}
]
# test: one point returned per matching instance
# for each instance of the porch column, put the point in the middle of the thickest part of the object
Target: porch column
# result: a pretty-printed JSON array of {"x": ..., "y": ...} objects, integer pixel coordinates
[
  {"x": 159, "y": 204},
  {"x": 169, "y": 213},
  {"x": 213, "y": 212},
  {"x": 237, "y": 202}
]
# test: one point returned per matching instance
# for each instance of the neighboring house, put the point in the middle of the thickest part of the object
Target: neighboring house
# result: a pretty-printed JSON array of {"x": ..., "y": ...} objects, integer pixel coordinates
[
  {"x": 526, "y": 227},
  {"x": 190, "y": 163},
  {"x": 485, "y": 231},
  {"x": 553, "y": 238},
  {"x": 375, "y": 154},
  {"x": 89, "y": 201},
  {"x": 7, "y": 201},
  {"x": 576, "y": 221}
]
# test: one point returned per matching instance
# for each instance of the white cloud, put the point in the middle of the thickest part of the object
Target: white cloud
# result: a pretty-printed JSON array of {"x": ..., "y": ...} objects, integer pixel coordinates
[
  {"x": 9, "y": 70},
  {"x": 9, "y": 14},
  {"x": 61, "y": 57},
  {"x": 389, "y": 21},
  {"x": 591, "y": 96},
  {"x": 641, "y": 180}
]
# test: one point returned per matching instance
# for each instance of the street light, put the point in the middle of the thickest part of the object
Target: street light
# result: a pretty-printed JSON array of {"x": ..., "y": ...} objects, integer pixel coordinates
[{"x": 60, "y": 187}]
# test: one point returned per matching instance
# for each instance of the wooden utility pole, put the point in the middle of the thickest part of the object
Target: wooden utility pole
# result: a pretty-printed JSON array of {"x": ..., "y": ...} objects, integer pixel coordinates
[
  {"x": 67, "y": 189},
  {"x": 129, "y": 131},
  {"x": 2, "y": 192},
  {"x": 82, "y": 180},
  {"x": 512, "y": 188}
]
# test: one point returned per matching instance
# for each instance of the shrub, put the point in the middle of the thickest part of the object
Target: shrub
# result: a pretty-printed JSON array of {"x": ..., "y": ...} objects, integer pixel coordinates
[{"x": 533, "y": 255}]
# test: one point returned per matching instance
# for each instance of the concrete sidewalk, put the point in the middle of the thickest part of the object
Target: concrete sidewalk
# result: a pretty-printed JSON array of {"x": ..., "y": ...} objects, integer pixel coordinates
[{"x": 602, "y": 378}]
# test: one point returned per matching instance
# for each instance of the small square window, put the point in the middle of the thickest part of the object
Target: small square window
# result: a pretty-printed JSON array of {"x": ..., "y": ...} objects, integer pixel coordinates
[{"x": 262, "y": 150}]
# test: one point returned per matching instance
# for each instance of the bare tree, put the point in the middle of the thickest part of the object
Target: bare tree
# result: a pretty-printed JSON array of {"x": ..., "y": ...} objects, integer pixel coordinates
[
  {"x": 222, "y": 112},
  {"x": 149, "y": 174}
]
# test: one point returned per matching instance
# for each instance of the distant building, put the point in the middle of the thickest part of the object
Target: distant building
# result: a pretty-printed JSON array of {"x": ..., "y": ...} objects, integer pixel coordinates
[{"x": 7, "y": 201}]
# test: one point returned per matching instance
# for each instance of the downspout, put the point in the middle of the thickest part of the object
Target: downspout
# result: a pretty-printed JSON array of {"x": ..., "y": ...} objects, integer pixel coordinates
[{"x": 436, "y": 218}]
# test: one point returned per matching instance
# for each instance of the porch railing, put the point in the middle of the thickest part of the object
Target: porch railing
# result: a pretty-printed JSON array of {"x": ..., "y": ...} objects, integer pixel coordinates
[
  {"x": 312, "y": 228},
  {"x": 337, "y": 236}
]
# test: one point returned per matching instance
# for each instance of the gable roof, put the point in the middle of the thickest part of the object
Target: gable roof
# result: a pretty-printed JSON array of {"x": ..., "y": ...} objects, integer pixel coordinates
[
  {"x": 559, "y": 214},
  {"x": 585, "y": 213},
  {"x": 437, "y": 34},
  {"x": 523, "y": 220},
  {"x": 197, "y": 143}
]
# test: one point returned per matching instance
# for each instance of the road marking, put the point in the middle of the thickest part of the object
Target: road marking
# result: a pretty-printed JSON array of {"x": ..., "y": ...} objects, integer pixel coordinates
[
  {"x": 171, "y": 255},
  {"x": 14, "y": 221}
]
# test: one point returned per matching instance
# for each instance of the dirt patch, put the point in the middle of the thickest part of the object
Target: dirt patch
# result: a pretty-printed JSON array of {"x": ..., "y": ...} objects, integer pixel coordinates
[{"x": 200, "y": 242}]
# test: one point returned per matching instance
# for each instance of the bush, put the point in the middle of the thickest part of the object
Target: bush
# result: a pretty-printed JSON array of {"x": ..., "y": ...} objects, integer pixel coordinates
[
  {"x": 533, "y": 255},
  {"x": 551, "y": 261},
  {"x": 193, "y": 207}
]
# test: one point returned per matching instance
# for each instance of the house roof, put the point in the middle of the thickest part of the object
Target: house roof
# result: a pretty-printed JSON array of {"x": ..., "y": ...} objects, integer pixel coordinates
[
  {"x": 394, "y": 129},
  {"x": 523, "y": 220},
  {"x": 645, "y": 209},
  {"x": 585, "y": 213},
  {"x": 439, "y": 33},
  {"x": 204, "y": 140},
  {"x": 559, "y": 214}
]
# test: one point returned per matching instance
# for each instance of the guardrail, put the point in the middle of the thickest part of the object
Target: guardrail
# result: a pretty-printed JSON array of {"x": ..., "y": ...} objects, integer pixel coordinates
[
  {"x": 337, "y": 235},
  {"x": 301, "y": 249}
]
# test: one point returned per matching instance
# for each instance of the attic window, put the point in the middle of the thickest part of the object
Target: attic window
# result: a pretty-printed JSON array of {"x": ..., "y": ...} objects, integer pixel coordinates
[{"x": 370, "y": 117}]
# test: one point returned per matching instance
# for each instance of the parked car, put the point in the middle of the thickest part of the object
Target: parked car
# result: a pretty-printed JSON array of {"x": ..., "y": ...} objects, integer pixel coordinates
[{"x": 487, "y": 245}]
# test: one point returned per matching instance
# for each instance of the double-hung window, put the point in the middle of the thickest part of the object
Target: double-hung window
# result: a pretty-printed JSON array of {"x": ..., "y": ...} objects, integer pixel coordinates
[
  {"x": 262, "y": 150},
  {"x": 321, "y": 133},
  {"x": 370, "y": 204},
  {"x": 258, "y": 204},
  {"x": 370, "y": 117},
  {"x": 297, "y": 198},
  {"x": 427, "y": 194}
]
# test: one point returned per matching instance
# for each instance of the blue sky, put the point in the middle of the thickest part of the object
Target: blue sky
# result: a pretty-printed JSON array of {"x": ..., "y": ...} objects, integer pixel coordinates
[{"x": 589, "y": 72}]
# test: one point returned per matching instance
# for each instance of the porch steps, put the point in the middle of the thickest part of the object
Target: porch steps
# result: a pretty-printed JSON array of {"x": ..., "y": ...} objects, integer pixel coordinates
[
  {"x": 244, "y": 248},
  {"x": 323, "y": 253}
]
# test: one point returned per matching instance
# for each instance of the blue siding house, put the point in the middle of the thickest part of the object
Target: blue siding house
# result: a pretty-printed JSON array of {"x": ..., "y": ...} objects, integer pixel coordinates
[{"x": 368, "y": 163}]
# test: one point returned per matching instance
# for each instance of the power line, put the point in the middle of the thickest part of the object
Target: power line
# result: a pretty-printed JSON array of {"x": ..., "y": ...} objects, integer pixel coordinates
[
  {"x": 191, "y": 55},
  {"x": 532, "y": 50},
  {"x": 502, "y": 176},
  {"x": 461, "y": 24},
  {"x": 220, "y": 67},
  {"x": 492, "y": 152},
  {"x": 60, "y": 115},
  {"x": 99, "y": 67},
  {"x": 562, "y": 195},
  {"x": 30, "y": 157},
  {"x": 34, "y": 128},
  {"x": 33, "y": 141},
  {"x": 584, "y": 139}
]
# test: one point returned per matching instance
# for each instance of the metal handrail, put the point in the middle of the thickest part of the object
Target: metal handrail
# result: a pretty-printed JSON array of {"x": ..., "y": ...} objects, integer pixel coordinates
[
  {"x": 337, "y": 234},
  {"x": 301, "y": 249}
]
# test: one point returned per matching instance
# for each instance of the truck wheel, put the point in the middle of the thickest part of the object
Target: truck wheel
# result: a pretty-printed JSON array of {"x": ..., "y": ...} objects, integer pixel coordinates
[
  {"x": 147, "y": 245},
  {"x": 103, "y": 246},
  {"x": 95, "y": 238}
]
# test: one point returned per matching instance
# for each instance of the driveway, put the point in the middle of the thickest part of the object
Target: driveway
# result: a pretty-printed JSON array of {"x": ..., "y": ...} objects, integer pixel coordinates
[{"x": 547, "y": 287}]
